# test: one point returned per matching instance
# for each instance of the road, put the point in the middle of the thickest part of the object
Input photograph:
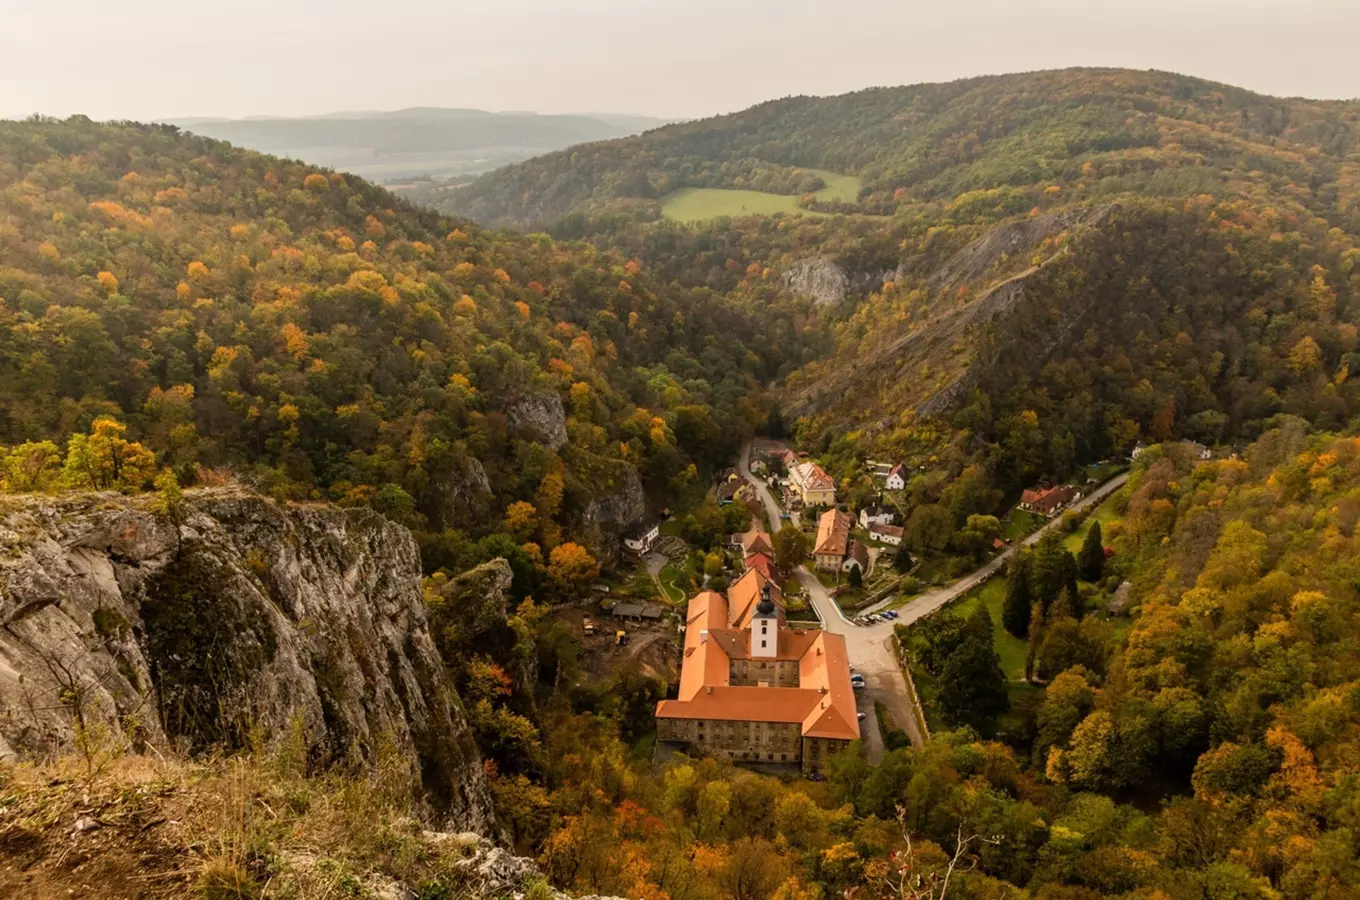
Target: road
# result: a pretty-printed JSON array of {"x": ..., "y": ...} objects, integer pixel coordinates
[
  {"x": 931, "y": 601},
  {"x": 869, "y": 647}
]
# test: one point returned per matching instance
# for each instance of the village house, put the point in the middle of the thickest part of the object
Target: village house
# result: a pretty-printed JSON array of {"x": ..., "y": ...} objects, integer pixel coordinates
[
  {"x": 753, "y": 689},
  {"x": 1049, "y": 501},
  {"x": 897, "y": 478},
  {"x": 833, "y": 540},
  {"x": 887, "y": 534},
  {"x": 638, "y": 540},
  {"x": 856, "y": 555},
  {"x": 761, "y": 563},
  {"x": 812, "y": 485},
  {"x": 755, "y": 541},
  {"x": 876, "y": 515}
]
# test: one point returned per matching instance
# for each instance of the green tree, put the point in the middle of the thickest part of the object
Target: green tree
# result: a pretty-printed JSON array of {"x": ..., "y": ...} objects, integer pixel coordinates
[
  {"x": 790, "y": 547},
  {"x": 1015, "y": 610},
  {"x": 1091, "y": 559},
  {"x": 30, "y": 467},
  {"x": 902, "y": 560},
  {"x": 972, "y": 685},
  {"x": 928, "y": 528},
  {"x": 856, "y": 577}
]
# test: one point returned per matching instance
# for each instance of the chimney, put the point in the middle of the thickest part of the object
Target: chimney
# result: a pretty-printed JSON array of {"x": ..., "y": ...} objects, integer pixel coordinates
[
  {"x": 703, "y": 635},
  {"x": 822, "y": 689},
  {"x": 708, "y": 689}
]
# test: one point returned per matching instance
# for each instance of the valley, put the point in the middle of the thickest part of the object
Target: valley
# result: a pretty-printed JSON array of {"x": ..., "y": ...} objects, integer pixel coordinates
[{"x": 960, "y": 477}]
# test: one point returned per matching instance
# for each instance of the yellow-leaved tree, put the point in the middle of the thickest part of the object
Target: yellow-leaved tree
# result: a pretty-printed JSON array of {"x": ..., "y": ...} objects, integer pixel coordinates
[{"x": 104, "y": 459}]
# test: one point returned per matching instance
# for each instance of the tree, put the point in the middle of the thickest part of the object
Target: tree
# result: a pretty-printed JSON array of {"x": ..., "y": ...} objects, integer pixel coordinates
[
  {"x": 1091, "y": 559},
  {"x": 856, "y": 577},
  {"x": 972, "y": 685},
  {"x": 571, "y": 567},
  {"x": 902, "y": 560},
  {"x": 30, "y": 467},
  {"x": 928, "y": 528},
  {"x": 1015, "y": 610},
  {"x": 521, "y": 519},
  {"x": 1053, "y": 569},
  {"x": 977, "y": 535},
  {"x": 105, "y": 459},
  {"x": 790, "y": 547}
]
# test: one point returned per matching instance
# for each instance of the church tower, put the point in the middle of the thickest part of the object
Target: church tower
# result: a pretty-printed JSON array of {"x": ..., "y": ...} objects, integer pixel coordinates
[{"x": 765, "y": 627}]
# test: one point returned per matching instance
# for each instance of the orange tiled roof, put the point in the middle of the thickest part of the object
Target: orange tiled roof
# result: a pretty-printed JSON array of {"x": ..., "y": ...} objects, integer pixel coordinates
[
  {"x": 762, "y": 564},
  {"x": 823, "y": 705},
  {"x": 756, "y": 541},
  {"x": 703, "y": 662},
  {"x": 744, "y": 594},
  {"x": 833, "y": 533},
  {"x": 812, "y": 477}
]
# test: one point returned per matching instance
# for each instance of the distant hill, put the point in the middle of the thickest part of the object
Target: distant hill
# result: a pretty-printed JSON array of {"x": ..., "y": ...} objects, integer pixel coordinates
[
  {"x": 991, "y": 142},
  {"x": 398, "y": 145}
]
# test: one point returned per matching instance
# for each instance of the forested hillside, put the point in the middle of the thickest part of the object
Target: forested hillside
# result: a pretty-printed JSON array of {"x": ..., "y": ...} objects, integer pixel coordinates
[
  {"x": 970, "y": 149},
  {"x": 1058, "y": 265},
  {"x": 314, "y": 335}
]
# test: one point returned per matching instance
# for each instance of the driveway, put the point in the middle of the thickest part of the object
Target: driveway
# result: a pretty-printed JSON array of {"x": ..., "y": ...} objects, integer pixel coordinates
[{"x": 772, "y": 508}]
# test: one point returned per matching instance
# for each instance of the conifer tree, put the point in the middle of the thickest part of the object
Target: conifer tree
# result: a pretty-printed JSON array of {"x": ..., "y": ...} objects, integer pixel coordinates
[
  {"x": 1016, "y": 608},
  {"x": 1091, "y": 559},
  {"x": 972, "y": 685}
]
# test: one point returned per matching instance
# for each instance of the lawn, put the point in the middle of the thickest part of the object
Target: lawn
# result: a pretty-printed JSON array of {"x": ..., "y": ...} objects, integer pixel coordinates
[
  {"x": 672, "y": 577},
  {"x": 700, "y": 204},
  {"x": 1104, "y": 514},
  {"x": 1020, "y": 524},
  {"x": 1009, "y": 648}
]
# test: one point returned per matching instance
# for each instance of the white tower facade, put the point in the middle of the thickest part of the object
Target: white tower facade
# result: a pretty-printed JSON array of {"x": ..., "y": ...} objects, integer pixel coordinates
[{"x": 765, "y": 627}]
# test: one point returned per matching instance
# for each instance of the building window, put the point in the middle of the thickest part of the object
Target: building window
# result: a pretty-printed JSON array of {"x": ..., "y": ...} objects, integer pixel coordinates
[{"x": 762, "y": 646}]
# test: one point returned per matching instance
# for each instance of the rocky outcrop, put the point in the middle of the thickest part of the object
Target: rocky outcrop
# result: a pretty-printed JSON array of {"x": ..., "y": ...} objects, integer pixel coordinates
[
  {"x": 234, "y": 620},
  {"x": 614, "y": 502},
  {"x": 818, "y": 279},
  {"x": 540, "y": 417},
  {"x": 477, "y": 605},
  {"x": 464, "y": 493}
]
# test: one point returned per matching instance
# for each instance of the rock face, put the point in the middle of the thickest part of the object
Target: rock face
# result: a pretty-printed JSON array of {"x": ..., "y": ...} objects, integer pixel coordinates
[
  {"x": 819, "y": 279},
  {"x": 617, "y": 504},
  {"x": 477, "y": 603},
  {"x": 236, "y": 620},
  {"x": 540, "y": 417},
  {"x": 464, "y": 493}
]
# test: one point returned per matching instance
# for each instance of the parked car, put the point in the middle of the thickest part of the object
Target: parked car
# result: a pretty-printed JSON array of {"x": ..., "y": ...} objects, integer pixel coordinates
[{"x": 860, "y": 716}]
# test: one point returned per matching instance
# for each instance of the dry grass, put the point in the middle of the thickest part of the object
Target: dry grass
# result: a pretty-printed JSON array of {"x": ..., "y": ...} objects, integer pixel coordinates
[{"x": 225, "y": 829}]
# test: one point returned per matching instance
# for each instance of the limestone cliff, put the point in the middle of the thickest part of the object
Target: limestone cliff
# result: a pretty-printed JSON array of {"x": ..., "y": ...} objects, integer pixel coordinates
[
  {"x": 540, "y": 417},
  {"x": 612, "y": 500},
  {"x": 233, "y": 620}
]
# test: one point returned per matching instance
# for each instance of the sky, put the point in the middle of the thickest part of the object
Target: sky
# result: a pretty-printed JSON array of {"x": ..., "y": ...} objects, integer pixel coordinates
[{"x": 153, "y": 59}]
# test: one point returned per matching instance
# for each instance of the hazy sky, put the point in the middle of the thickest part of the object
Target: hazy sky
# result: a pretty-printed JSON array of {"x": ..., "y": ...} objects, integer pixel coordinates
[{"x": 148, "y": 59}]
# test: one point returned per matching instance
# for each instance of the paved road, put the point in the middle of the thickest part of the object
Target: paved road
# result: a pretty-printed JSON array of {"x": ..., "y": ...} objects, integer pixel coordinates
[
  {"x": 870, "y": 646},
  {"x": 869, "y": 649},
  {"x": 931, "y": 601}
]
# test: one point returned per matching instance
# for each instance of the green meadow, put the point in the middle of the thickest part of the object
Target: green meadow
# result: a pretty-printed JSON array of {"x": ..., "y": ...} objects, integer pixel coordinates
[{"x": 701, "y": 204}]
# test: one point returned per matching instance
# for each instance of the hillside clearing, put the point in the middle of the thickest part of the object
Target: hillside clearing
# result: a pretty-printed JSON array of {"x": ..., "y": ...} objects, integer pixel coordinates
[{"x": 702, "y": 204}]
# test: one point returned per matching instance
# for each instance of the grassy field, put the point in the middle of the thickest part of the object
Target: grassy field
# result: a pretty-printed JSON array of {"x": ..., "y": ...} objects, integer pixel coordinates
[
  {"x": 1104, "y": 514},
  {"x": 1009, "y": 648},
  {"x": 701, "y": 204}
]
